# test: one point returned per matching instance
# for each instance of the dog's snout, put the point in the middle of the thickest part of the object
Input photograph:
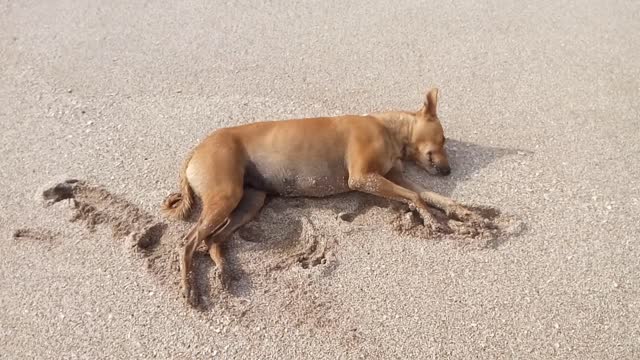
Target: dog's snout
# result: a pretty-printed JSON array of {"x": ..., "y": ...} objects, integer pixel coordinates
[{"x": 444, "y": 170}]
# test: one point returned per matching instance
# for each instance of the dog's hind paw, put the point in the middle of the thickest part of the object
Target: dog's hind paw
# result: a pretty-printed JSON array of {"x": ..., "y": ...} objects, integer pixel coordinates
[
  {"x": 192, "y": 297},
  {"x": 223, "y": 278},
  {"x": 189, "y": 293}
]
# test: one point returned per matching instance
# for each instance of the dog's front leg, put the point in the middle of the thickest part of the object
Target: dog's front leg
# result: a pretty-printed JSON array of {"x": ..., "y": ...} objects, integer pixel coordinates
[
  {"x": 449, "y": 206},
  {"x": 378, "y": 185}
]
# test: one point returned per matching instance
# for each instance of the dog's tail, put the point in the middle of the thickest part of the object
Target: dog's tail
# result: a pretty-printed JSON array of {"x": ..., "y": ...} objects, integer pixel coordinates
[{"x": 178, "y": 205}]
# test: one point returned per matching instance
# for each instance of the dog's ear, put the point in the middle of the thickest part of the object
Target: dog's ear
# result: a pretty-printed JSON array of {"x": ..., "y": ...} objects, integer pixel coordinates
[{"x": 431, "y": 102}]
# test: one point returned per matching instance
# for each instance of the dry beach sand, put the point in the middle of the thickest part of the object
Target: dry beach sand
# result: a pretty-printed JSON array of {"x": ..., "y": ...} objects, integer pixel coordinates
[{"x": 540, "y": 103}]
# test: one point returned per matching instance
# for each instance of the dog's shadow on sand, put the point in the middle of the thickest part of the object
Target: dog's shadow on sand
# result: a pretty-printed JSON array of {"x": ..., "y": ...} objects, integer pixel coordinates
[
  {"x": 466, "y": 160},
  {"x": 286, "y": 227}
]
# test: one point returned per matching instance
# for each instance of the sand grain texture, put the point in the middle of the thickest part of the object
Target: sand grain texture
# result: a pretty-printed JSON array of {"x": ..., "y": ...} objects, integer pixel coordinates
[{"x": 540, "y": 107}]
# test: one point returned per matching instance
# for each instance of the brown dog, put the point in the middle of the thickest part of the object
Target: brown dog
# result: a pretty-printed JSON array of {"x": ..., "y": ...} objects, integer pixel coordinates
[{"x": 234, "y": 169}]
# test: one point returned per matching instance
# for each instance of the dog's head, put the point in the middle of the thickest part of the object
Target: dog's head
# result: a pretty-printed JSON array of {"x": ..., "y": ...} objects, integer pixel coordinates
[{"x": 426, "y": 145}]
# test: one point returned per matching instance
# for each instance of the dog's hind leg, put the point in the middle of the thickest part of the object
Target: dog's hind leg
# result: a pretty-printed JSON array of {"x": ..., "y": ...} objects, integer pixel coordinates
[
  {"x": 251, "y": 203},
  {"x": 213, "y": 220},
  {"x": 215, "y": 173}
]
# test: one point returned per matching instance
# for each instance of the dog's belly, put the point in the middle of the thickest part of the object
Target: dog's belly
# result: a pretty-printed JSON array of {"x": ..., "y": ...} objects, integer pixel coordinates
[{"x": 313, "y": 179}]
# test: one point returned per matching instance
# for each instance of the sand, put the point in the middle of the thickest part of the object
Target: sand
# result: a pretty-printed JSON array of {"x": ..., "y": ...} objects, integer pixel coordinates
[{"x": 540, "y": 105}]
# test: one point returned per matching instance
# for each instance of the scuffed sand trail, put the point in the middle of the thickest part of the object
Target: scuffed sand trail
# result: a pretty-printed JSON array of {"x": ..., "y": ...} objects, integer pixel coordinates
[
  {"x": 287, "y": 236},
  {"x": 94, "y": 205}
]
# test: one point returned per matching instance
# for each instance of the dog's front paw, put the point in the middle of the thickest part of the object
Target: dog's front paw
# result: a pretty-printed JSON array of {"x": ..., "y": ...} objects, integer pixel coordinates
[
  {"x": 431, "y": 223},
  {"x": 464, "y": 229},
  {"x": 469, "y": 222},
  {"x": 466, "y": 215}
]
